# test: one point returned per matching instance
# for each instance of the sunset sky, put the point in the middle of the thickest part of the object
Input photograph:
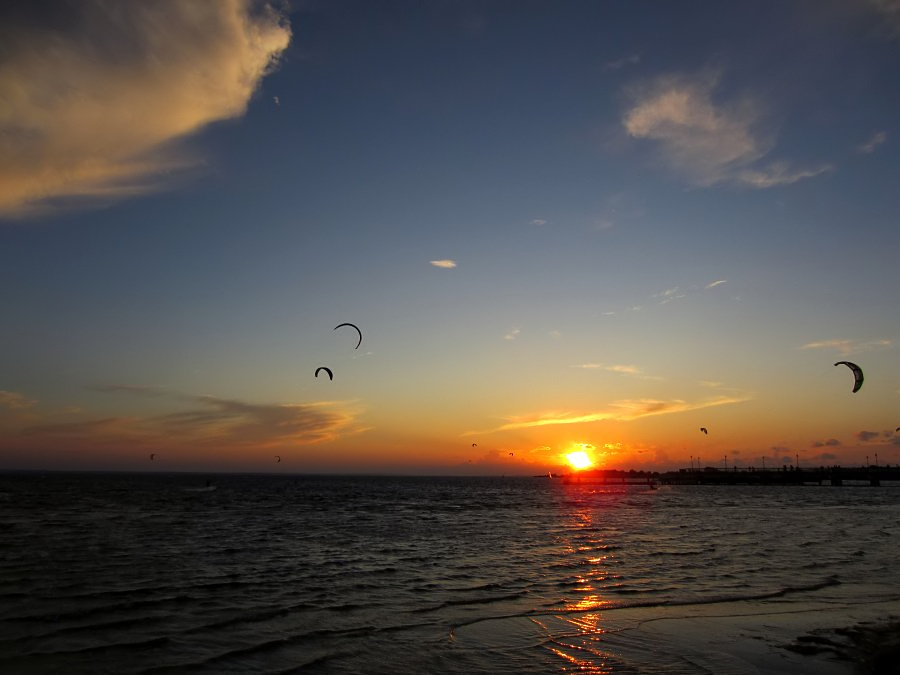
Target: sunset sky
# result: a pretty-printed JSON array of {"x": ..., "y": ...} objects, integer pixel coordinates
[{"x": 560, "y": 225}]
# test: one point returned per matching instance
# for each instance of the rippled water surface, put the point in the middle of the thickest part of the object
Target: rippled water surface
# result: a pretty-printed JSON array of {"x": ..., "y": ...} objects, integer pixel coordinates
[{"x": 143, "y": 573}]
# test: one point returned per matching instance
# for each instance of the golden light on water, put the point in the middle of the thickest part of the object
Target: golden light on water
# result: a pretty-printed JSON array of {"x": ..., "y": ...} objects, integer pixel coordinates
[{"x": 579, "y": 460}]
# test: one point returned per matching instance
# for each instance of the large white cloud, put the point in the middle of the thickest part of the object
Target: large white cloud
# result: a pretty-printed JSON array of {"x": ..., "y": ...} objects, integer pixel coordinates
[
  {"x": 94, "y": 99},
  {"x": 708, "y": 140}
]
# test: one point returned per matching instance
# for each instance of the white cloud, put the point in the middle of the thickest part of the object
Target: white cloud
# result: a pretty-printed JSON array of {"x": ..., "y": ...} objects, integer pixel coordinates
[
  {"x": 668, "y": 295},
  {"x": 718, "y": 282},
  {"x": 621, "y": 369},
  {"x": 631, "y": 60},
  {"x": 708, "y": 140},
  {"x": 848, "y": 346},
  {"x": 538, "y": 221},
  {"x": 513, "y": 334},
  {"x": 444, "y": 264},
  {"x": 869, "y": 146},
  {"x": 94, "y": 106},
  {"x": 779, "y": 173}
]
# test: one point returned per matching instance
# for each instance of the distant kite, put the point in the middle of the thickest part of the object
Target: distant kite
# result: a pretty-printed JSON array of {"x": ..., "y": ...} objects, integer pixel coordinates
[
  {"x": 511, "y": 455},
  {"x": 352, "y": 325},
  {"x": 152, "y": 456},
  {"x": 857, "y": 374},
  {"x": 327, "y": 370},
  {"x": 474, "y": 445},
  {"x": 277, "y": 459},
  {"x": 703, "y": 429}
]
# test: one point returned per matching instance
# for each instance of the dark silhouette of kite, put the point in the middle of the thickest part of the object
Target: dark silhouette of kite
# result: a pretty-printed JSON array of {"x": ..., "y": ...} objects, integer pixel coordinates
[
  {"x": 857, "y": 374},
  {"x": 703, "y": 429},
  {"x": 352, "y": 325},
  {"x": 327, "y": 370},
  {"x": 152, "y": 456},
  {"x": 277, "y": 459},
  {"x": 474, "y": 445}
]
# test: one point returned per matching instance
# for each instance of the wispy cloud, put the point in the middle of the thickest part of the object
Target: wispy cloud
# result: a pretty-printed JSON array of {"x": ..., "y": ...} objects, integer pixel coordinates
[
  {"x": 717, "y": 282},
  {"x": 827, "y": 443},
  {"x": 15, "y": 401},
  {"x": 890, "y": 10},
  {"x": 623, "y": 411},
  {"x": 668, "y": 295},
  {"x": 136, "y": 389},
  {"x": 538, "y": 221},
  {"x": 707, "y": 140},
  {"x": 96, "y": 101},
  {"x": 444, "y": 264},
  {"x": 618, "y": 64},
  {"x": 779, "y": 173},
  {"x": 866, "y": 436},
  {"x": 206, "y": 421},
  {"x": 512, "y": 334},
  {"x": 12, "y": 400},
  {"x": 848, "y": 346},
  {"x": 622, "y": 369},
  {"x": 239, "y": 422},
  {"x": 877, "y": 139}
]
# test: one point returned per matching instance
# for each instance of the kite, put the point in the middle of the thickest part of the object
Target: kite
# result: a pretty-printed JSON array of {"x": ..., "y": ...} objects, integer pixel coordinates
[
  {"x": 857, "y": 374},
  {"x": 327, "y": 370},
  {"x": 352, "y": 325},
  {"x": 277, "y": 459},
  {"x": 703, "y": 429}
]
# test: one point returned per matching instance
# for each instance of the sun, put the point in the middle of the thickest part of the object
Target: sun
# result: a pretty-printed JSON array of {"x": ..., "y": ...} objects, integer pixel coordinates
[{"x": 579, "y": 460}]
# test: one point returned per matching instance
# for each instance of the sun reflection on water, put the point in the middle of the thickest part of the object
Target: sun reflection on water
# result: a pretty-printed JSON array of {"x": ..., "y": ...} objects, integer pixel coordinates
[{"x": 581, "y": 642}]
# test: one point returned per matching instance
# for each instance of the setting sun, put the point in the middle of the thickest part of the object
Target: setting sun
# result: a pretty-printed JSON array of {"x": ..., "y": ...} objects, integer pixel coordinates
[{"x": 579, "y": 460}]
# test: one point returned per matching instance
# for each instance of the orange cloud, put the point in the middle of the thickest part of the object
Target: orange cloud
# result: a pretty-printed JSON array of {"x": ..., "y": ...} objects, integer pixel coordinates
[{"x": 94, "y": 104}]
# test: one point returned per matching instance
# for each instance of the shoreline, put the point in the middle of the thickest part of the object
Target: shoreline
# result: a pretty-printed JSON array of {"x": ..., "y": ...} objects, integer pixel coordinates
[{"x": 779, "y": 637}]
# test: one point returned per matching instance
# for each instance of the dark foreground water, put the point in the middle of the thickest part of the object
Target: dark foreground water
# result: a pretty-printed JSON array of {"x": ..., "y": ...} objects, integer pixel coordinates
[{"x": 147, "y": 573}]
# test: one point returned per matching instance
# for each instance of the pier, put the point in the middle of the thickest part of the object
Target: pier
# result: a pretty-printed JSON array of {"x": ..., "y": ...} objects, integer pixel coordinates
[{"x": 874, "y": 476}]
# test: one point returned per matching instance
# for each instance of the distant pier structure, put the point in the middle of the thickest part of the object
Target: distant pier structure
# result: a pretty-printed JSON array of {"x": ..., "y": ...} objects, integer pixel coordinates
[{"x": 787, "y": 475}]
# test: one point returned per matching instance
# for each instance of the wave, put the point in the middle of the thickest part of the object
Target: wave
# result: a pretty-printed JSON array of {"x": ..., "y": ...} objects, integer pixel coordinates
[{"x": 650, "y": 604}]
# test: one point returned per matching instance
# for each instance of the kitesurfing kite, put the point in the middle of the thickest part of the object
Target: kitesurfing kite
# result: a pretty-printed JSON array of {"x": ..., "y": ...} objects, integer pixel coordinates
[
  {"x": 857, "y": 374},
  {"x": 152, "y": 456},
  {"x": 277, "y": 459},
  {"x": 352, "y": 325},
  {"x": 327, "y": 370},
  {"x": 703, "y": 429}
]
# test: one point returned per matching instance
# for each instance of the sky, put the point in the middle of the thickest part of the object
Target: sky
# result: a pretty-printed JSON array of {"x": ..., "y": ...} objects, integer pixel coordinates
[{"x": 578, "y": 226}]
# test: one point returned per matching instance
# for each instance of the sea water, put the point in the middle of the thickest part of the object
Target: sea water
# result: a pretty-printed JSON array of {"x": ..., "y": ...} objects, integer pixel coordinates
[{"x": 138, "y": 573}]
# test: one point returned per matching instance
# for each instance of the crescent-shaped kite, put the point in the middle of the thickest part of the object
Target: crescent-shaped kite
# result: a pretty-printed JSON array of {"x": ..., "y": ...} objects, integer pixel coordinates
[
  {"x": 352, "y": 325},
  {"x": 277, "y": 459},
  {"x": 703, "y": 429},
  {"x": 327, "y": 370},
  {"x": 857, "y": 374}
]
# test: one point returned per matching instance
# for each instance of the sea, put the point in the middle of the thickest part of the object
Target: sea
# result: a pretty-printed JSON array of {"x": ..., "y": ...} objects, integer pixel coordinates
[{"x": 170, "y": 573}]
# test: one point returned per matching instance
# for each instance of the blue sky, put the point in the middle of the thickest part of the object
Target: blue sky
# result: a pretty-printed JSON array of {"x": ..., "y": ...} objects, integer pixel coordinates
[{"x": 559, "y": 225}]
